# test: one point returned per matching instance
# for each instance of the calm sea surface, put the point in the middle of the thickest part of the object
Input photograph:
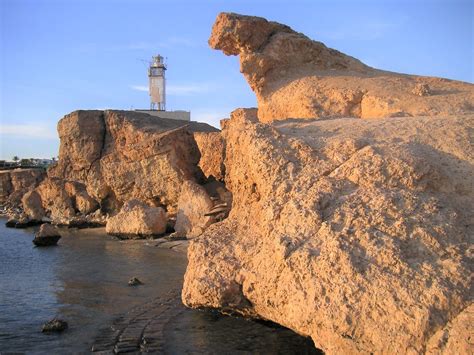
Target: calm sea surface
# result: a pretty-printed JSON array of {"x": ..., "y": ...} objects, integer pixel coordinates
[{"x": 84, "y": 281}]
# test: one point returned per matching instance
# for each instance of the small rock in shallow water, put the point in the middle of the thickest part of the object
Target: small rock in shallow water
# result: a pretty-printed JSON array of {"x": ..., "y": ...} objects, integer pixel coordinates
[
  {"x": 47, "y": 235},
  {"x": 134, "y": 282},
  {"x": 54, "y": 325}
]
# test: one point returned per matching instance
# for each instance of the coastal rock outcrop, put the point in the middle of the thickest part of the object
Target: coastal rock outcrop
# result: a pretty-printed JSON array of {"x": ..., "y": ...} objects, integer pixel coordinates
[
  {"x": 136, "y": 219},
  {"x": 357, "y": 233},
  {"x": 296, "y": 77},
  {"x": 47, "y": 235},
  {"x": 110, "y": 153}
]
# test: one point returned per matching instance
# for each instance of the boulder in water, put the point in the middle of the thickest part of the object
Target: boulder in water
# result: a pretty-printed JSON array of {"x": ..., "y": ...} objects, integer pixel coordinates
[{"x": 47, "y": 235}]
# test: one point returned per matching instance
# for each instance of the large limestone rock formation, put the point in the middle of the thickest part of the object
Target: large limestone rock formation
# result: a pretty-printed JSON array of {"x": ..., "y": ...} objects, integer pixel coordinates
[
  {"x": 109, "y": 157},
  {"x": 295, "y": 77},
  {"x": 357, "y": 233}
]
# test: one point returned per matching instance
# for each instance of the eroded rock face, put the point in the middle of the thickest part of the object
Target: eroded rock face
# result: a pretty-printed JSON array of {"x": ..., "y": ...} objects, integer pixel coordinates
[
  {"x": 5, "y": 185},
  {"x": 295, "y": 77},
  {"x": 82, "y": 202},
  {"x": 193, "y": 204},
  {"x": 137, "y": 219},
  {"x": 357, "y": 233},
  {"x": 15, "y": 183},
  {"x": 123, "y": 155},
  {"x": 56, "y": 200}
]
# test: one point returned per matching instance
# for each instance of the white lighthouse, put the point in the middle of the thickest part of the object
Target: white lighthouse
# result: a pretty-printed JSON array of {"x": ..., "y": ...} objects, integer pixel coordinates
[
  {"x": 157, "y": 83},
  {"x": 157, "y": 91}
]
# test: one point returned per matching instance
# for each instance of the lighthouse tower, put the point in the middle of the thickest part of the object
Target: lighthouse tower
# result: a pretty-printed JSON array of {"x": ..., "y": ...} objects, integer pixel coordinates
[{"x": 157, "y": 83}]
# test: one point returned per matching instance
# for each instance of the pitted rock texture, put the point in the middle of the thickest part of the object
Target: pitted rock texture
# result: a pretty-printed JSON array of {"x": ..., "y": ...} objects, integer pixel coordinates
[
  {"x": 357, "y": 233},
  {"x": 295, "y": 77},
  {"x": 122, "y": 155},
  {"x": 212, "y": 149}
]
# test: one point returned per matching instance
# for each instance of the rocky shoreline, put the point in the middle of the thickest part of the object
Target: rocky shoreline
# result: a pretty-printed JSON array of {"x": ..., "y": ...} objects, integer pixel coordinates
[{"x": 342, "y": 207}]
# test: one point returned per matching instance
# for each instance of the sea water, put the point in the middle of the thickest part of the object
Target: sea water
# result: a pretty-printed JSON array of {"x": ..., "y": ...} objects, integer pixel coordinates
[{"x": 84, "y": 280}]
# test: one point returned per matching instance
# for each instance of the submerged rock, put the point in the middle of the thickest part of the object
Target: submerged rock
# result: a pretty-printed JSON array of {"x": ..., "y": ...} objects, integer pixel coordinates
[
  {"x": 357, "y": 233},
  {"x": 134, "y": 282},
  {"x": 296, "y": 77},
  {"x": 47, "y": 235},
  {"x": 54, "y": 325},
  {"x": 21, "y": 221}
]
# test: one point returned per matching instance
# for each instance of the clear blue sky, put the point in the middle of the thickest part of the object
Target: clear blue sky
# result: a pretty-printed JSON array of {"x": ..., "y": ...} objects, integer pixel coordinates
[{"x": 58, "y": 56}]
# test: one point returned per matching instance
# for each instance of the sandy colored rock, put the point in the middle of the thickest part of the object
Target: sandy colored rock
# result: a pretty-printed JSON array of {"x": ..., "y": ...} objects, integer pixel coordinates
[
  {"x": 110, "y": 153},
  {"x": 47, "y": 235},
  {"x": 5, "y": 185},
  {"x": 357, "y": 233},
  {"x": 82, "y": 202},
  {"x": 32, "y": 205},
  {"x": 296, "y": 77},
  {"x": 212, "y": 149},
  {"x": 15, "y": 183},
  {"x": 56, "y": 200},
  {"x": 47, "y": 230},
  {"x": 137, "y": 219},
  {"x": 456, "y": 337},
  {"x": 193, "y": 204}
]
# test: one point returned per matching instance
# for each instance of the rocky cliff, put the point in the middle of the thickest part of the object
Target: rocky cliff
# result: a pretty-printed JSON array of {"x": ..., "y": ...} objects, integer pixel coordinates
[
  {"x": 107, "y": 158},
  {"x": 357, "y": 233},
  {"x": 296, "y": 77}
]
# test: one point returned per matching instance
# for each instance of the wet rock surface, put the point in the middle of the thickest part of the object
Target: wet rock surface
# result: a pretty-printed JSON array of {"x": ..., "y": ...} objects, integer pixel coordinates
[
  {"x": 54, "y": 326},
  {"x": 134, "y": 281},
  {"x": 160, "y": 326}
]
